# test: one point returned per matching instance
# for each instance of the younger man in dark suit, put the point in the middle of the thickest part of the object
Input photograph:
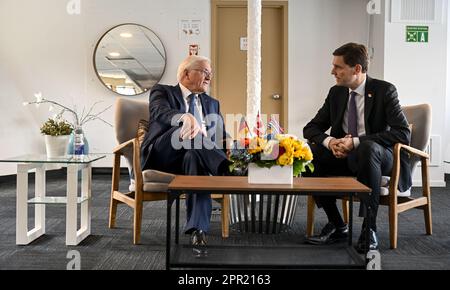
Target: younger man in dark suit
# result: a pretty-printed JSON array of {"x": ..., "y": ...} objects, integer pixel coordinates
[
  {"x": 366, "y": 121},
  {"x": 186, "y": 136}
]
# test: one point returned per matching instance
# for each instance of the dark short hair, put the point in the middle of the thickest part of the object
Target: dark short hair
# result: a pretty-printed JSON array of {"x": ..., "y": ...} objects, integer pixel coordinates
[{"x": 354, "y": 54}]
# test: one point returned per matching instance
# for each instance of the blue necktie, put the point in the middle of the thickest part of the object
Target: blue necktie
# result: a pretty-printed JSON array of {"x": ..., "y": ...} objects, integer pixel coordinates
[
  {"x": 353, "y": 130},
  {"x": 193, "y": 109},
  {"x": 352, "y": 116}
]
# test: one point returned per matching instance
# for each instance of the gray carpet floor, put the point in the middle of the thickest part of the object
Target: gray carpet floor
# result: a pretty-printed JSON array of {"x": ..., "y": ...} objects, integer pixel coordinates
[{"x": 113, "y": 248}]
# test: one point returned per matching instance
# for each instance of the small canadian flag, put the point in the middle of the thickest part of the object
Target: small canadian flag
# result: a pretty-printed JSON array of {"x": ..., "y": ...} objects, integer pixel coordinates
[{"x": 259, "y": 129}]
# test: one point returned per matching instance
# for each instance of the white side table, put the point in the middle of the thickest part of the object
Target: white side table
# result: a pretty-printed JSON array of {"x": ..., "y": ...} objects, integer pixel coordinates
[{"x": 41, "y": 163}]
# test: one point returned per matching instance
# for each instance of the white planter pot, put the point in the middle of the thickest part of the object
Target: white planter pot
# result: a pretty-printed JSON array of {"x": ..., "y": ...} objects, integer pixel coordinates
[
  {"x": 56, "y": 145},
  {"x": 273, "y": 175}
]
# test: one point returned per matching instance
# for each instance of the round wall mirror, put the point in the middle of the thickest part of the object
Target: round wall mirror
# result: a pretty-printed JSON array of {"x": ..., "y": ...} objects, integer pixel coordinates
[{"x": 129, "y": 59}]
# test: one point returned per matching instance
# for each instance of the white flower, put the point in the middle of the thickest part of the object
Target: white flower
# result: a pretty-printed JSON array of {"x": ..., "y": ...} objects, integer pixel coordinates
[
  {"x": 78, "y": 119},
  {"x": 269, "y": 147},
  {"x": 38, "y": 97}
]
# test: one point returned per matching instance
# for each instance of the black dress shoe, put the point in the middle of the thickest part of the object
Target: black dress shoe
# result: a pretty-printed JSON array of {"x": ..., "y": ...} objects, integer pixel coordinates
[
  {"x": 361, "y": 244},
  {"x": 329, "y": 235},
  {"x": 198, "y": 241}
]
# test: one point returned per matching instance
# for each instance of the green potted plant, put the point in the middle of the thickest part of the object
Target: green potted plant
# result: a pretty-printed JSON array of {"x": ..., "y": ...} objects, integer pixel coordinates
[
  {"x": 56, "y": 128},
  {"x": 56, "y": 133}
]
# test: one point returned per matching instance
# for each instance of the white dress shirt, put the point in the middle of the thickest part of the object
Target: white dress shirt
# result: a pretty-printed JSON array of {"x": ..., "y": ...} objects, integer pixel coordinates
[{"x": 186, "y": 93}]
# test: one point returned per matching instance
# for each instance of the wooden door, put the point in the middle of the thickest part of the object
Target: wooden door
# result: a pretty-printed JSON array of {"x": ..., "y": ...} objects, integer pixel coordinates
[{"x": 229, "y": 85}]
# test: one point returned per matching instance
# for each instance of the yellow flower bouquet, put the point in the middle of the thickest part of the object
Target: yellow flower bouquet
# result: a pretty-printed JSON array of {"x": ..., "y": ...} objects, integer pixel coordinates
[{"x": 282, "y": 150}]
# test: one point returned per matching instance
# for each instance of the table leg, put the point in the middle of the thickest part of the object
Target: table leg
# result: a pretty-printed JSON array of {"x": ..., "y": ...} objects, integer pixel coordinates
[
  {"x": 73, "y": 235},
  {"x": 71, "y": 206},
  {"x": 86, "y": 206},
  {"x": 169, "y": 224},
  {"x": 39, "y": 209},
  {"x": 177, "y": 220},
  {"x": 350, "y": 219},
  {"x": 23, "y": 236}
]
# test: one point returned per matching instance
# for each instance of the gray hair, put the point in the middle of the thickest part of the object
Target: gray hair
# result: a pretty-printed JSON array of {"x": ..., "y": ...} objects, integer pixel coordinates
[{"x": 190, "y": 62}]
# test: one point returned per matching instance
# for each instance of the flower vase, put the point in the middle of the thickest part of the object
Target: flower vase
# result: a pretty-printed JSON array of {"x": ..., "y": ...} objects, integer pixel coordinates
[
  {"x": 71, "y": 146},
  {"x": 273, "y": 175},
  {"x": 56, "y": 145}
]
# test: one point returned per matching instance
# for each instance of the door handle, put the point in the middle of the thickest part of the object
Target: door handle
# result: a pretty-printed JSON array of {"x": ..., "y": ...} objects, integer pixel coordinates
[{"x": 276, "y": 97}]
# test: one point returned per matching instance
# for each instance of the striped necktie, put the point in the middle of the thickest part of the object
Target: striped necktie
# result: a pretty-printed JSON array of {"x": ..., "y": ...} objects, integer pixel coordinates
[
  {"x": 352, "y": 130},
  {"x": 193, "y": 109},
  {"x": 352, "y": 116}
]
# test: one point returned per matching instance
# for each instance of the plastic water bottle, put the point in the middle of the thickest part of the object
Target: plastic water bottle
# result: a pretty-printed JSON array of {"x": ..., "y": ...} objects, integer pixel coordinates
[{"x": 78, "y": 142}]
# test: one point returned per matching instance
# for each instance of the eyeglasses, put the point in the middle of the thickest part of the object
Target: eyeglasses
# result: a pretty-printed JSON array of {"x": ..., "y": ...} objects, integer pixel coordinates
[{"x": 205, "y": 72}]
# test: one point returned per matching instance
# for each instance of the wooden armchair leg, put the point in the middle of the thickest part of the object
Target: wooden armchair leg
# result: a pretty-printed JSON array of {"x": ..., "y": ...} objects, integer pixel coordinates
[
  {"x": 426, "y": 192},
  {"x": 137, "y": 223},
  {"x": 114, "y": 188},
  {"x": 393, "y": 226},
  {"x": 112, "y": 212},
  {"x": 225, "y": 216},
  {"x": 311, "y": 204},
  {"x": 345, "y": 212},
  {"x": 428, "y": 220}
]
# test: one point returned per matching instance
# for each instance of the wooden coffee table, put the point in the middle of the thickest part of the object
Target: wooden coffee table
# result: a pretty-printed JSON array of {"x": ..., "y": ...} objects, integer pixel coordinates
[{"x": 281, "y": 257}]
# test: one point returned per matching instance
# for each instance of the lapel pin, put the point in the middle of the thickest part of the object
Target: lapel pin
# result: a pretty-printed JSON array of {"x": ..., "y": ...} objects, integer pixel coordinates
[{"x": 369, "y": 95}]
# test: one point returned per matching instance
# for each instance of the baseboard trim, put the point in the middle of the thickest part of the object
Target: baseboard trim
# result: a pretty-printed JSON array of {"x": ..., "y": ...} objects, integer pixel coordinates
[
  {"x": 447, "y": 167},
  {"x": 108, "y": 170},
  {"x": 433, "y": 183},
  {"x": 61, "y": 173}
]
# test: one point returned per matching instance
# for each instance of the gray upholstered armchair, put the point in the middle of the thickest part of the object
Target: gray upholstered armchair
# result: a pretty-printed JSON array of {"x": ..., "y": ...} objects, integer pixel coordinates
[
  {"x": 149, "y": 185},
  {"x": 419, "y": 118}
]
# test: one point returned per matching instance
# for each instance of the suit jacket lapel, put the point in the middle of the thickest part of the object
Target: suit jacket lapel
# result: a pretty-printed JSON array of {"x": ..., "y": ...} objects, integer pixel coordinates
[
  {"x": 368, "y": 103},
  {"x": 205, "y": 104},
  {"x": 179, "y": 97},
  {"x": 205, "y": 108},
  {"x": 342, "y": 106}
]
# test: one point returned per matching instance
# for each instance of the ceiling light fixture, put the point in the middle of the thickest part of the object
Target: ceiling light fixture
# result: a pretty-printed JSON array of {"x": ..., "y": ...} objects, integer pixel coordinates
[
  {"x": 126, "y": 35},
  {"x": 114, "y": 54}
]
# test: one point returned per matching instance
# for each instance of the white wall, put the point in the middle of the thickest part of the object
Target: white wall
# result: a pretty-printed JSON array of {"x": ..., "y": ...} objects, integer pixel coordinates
[
  {"x": 316, "y": 29},
  {"x": 419, "y": 71},
  {"x": 43, "y": 48},
  {"x": 376, "y": 43},
  {"x": 447, "y": 110},
  {"x": 48, "y": 50}
]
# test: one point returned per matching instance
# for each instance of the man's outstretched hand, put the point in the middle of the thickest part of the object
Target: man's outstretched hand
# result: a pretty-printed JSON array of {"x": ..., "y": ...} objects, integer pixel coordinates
[{"x": 190, "y": 127}]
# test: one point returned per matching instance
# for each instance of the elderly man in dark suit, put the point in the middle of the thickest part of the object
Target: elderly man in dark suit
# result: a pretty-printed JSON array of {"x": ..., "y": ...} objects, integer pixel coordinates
[
  {"x": 366, "y": 121},
  {"x": 187, "y": 136}
]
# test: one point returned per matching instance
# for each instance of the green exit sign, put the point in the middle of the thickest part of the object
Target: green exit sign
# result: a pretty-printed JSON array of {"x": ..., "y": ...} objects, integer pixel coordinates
[{"x": 416, "y": 33}]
